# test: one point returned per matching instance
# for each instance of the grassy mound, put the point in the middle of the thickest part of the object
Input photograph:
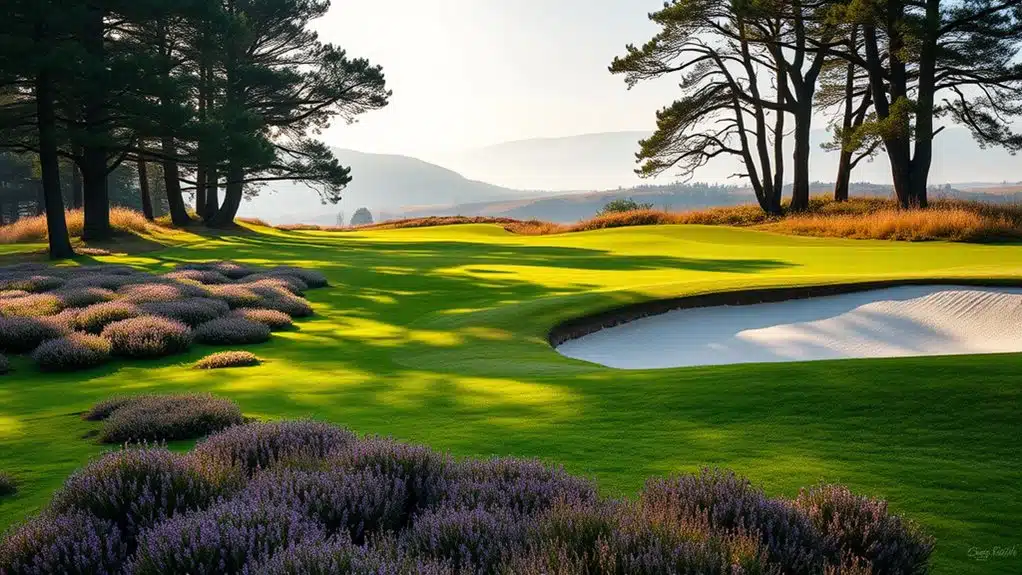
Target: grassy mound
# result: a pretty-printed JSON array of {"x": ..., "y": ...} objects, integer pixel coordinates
[{"x": 227, "y": 359}]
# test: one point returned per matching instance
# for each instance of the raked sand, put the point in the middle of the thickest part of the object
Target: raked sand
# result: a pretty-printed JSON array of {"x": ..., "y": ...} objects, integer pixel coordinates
[{"x": 894, "y": 322}]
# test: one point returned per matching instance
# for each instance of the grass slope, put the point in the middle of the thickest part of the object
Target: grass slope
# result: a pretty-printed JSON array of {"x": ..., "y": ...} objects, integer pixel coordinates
[{"x": 437, "y": 335}]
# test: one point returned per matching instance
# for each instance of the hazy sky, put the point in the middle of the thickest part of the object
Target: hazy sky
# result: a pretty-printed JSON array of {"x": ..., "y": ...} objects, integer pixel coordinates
[{"x": 468, "y": 73}]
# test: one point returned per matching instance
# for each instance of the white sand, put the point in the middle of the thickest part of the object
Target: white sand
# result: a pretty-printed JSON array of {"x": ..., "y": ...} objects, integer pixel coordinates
[{"x": 895, "y": 322}]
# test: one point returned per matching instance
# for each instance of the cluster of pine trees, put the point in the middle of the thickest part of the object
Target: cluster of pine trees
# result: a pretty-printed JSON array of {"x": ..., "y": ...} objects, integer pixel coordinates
[
  {"x": 756, "y": 72},
  {"x": 221, "y": 95}
]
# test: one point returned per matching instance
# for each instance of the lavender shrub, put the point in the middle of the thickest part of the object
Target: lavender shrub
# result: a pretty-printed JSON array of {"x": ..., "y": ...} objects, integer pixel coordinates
[
  {"x": 148, "y": 337},
  {"x": 256, "y": 446},
  {"x": 74, "y": 544}
]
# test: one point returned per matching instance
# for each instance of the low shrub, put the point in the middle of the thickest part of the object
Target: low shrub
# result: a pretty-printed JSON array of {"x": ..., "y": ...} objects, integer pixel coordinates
[
  {"x": 191, "y": 312},
  {"x": 287, "y": 282},
  {"x": 33, "y": 229},
  {"x": 83, "y": 296},
  {"x": 206, "y": 277},
  {"x": 148, "y": 337},
  {"x": 35, "y": 305},
  {"x": 226, "y": 359},
  {"x": 232, "y": 270},
  {"x": 228, "y": 538},
  {"x": 167, "y": 418},
  {"x": 94, "y": 318},
  {"x": 426, "y": 472},
  {"x": 236, "y": 296},
  {"x": 522, "y": 485},
  {"x": 72, "y": 352},
  {"x": 473, "y": 540},
  {"x": 862, "y": 528},
  {"x": 29, "y": 282},
  {"x": 75, "y": 543},
  {"x": 11, "y": 293},
  {"x": 271, "y": 318},
  {"x": 311, "y": 278},
  {"x": 108, "y": 281},
  {"x": 337, "y": 555},
  {"x": 105, "y": 408},
  {"x": 136, "y": 488},
  {"x": 159, "y": 292},
  {"x": 261, "y": 445},
  {"x": 293, "y": 306},
  {"x": 8, "y": 485},
  {"x": 23, "y": 334},
  {"x": 232, "y": 331}
]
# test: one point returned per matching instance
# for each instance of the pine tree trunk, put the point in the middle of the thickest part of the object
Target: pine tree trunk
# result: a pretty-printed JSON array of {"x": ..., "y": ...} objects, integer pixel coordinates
[
  {"x": 232, "y": 197},
  {"x": 212, "y": 195},
  {"x": 172, "y": 184},
  {"x": 96, "y": 198},
  {"x": 96, "y": 195},
  {"x": 76, "y": 180},
  {"x": 143, "y": 190},
  {"x": 844, "y": 176},
  {"x": 56, "y": 224},
  {"x": 800, "y": 167}
]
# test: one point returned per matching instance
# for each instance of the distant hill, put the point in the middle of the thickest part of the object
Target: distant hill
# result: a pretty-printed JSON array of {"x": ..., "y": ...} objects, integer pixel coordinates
[{"x": 380, "y": 182}]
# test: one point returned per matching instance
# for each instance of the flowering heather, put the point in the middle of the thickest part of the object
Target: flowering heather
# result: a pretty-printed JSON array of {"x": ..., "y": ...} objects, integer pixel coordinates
[
  {"x": 29, "y": 282},
  {"x": 290, "y": 283},
  {"x": 7, "y": 484},
  {"x": 863, "y": 528},
  {"x": 232, "y": 331},
  {"x": 425, "y": 471},
  {"x": 158, "y": 292},
  {"x": 236, "y": 296},
  {"x": 474, "y": 541},
  {"x": 207, "y": 277},
  {"x": 108, "y": 281},
  {"x": 23, "y": 334},
  {"x": 226, "y": 538},
  {"x": 522, "y": 485},
  {"x": 148, "y": 337},
  {"x": 169, "y": 418},
  {"x": 11, "y": 293},
  {"x": 34, "y": 305},
  {"x": 75, "y": 544},
  {"x": 191, "y": 312},
  {"x": 138, "y": 487},
  {"x": 293, "y": 306},
  {"x": 105, "y": 408},
  {"x": 96, "y": 317},
  {"x": 731, "y": 504},
  {"x": 337, "y": 555},
  {"x": 82, "y": 296},
  {"x": 260, "y": 445},
  {"x": 72, "y": 352},
  {"x": 232, "y": 270},
  {"x": 312, "y": 278},
  {"x": 271, "y": 318},
  {"x": 227, "y": 359},
  {"x": 359, "y": 504}
]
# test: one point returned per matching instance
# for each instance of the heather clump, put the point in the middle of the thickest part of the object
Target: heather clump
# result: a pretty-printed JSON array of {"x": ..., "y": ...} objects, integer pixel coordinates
[
  {"x": 77, "y": 543},
  {"x": 159, "y": 292},
  {"x": 288, "y": 282},
  {"x": 473, "y": 540},
  {"x": 312, "y": 278},
  {"x": 256, "y": 446},
  {"x": 164, "y": 417},
  {"x": 207, "y": 277},
  {"x": 148, "y": 337},
  {"x": 32, "y": 305},
  {"x": 228, "y": 359},
  {"x": 236, "y": 296},
  {"x": 95, "y": 318},
  {"x": 227, "y": 538},
  {"x": 83, "y": 296},
  {"x": 526, "y": 486},
  {"x": 191, "y": 311},
  {"x": 338, "y": 555},
  {"x": 425, "y": 471},
  {"x": 18, "y": 280},
  {"x": 232, "y": 331},
  {"x": 231, "y": 270},
  {"x": 72, "y": 352},
  {"x": 271, "y": 318},
  {"x": 23, "y": 334}
]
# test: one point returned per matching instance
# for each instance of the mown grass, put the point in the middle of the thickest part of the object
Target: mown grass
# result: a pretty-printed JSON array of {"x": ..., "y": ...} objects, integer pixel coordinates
[
  {"x": 437, "y": 336},
  {"x": 858, "y": 218}
]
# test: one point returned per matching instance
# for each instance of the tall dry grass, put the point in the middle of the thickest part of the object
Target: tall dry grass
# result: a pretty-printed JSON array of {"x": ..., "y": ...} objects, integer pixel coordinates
[{"x": 33, "y": 229}]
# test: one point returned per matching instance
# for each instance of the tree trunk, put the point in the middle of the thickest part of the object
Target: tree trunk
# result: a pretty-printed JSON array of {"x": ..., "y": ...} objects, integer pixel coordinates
[
  {"x": 76, "y": 180},
  {"x": 212, "y": 195},
  {"x": 803, "y": 125},
  {"x": 56, "y": 224},
  {"x": 96, "y": 195},
  {"x": 923, "y": 155},
  {"x": 143, "y": 190},
  {"x": 844, "y": 176},
  {"x": 172, "y": 183},
  {"x": 232, "y": 197}
]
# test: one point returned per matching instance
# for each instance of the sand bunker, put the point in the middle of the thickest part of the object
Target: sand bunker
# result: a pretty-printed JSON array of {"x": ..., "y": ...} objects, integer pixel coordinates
[{"x": 893, "y": 322}]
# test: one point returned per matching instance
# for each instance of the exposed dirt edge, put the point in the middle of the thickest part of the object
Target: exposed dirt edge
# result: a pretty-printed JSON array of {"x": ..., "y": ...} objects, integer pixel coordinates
[{"x": 585, "y": 325}]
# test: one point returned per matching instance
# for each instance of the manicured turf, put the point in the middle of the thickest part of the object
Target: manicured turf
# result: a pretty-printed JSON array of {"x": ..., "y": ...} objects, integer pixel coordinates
[{"x": 436, "y": 335}]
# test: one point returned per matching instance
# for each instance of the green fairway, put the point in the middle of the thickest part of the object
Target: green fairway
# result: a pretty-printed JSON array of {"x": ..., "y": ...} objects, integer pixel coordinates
[{"x": 438, "y": 335}]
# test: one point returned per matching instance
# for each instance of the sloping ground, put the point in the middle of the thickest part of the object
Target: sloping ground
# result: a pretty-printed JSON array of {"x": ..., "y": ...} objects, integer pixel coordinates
[{"x": 438, "y": 335}]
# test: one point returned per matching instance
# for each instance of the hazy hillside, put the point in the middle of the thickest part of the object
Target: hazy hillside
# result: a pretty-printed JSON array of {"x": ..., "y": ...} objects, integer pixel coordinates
[{"x": 380, "y": 182}]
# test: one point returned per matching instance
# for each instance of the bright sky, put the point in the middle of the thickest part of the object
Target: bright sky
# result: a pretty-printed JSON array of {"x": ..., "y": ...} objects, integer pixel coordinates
[{"x": 469, "y": 73}]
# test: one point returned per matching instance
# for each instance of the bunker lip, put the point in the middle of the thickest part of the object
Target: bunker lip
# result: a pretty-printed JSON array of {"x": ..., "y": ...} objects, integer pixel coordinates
[{"x": 582, "y": 326}]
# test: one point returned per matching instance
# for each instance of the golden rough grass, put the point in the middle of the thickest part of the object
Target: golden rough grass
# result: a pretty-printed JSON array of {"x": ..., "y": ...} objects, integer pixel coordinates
[{"x": 33, "y": 229}]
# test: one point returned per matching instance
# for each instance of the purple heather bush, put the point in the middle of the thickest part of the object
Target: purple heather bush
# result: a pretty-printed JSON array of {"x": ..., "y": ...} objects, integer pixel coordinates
[
  {"x": 290, "y": 283},
  {"x": 105, "y": 408},
  {"x": 72, "y": 352},
  {"x": 228, "y": 538},
  {"x": 236, "y": 296},
  {"x": 312, "y": 278},
  {"x": 29, "y": 282},
  {"x": 11, "y": 293},
  {"x": 863, "y": 528},
  {"x": 232, "y": 270},
  {"x": 95, "y": 318},
  {"x": 337, "y": 555},
  {"x": 82, "y": 296},
  {"x": 281, "y": 300},
  {"x": 271, "y": 318},
  {"x": 731, "y": 504},
  {"x": 148, "y": 337},
  {"x": 472, "y": 540},
  {"x": 207, "y": 277},
  {"x": 227, "y": 359},
  {"x": 74, "y": 544},
  {"x": 23, "y": 334},
  {"x": 232, "y": 331},
  {"x": 522, "y": 485},
  {"x": 258, "y": 446},
  {"x": 34, "y": 305},
  {"x": 191, "y": 311},
  {"x": 138, "y": 487},
  {"x": 166, "y": 417},
  {"x": 108, "y": 281},
  {"x": 426, "y": 472},
  {"x": 358, "y": 504},
  {"x": 160, "y": 292}
]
